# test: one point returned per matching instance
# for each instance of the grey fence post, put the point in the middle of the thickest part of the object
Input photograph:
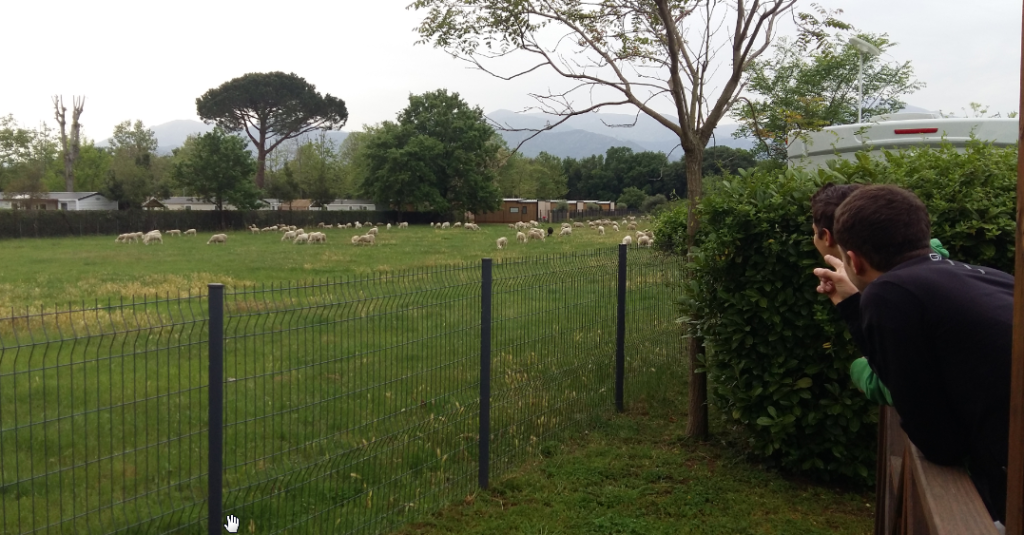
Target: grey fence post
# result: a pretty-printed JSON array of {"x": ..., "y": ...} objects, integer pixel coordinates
[
  {"x": 620, "y": 332},
  {"x": 485, "y": 372},
  {"x": 215, "y": 433}
]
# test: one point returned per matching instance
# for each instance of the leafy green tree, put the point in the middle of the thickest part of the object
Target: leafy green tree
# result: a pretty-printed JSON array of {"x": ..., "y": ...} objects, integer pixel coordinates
[
  {"x": 536, "y": 178},
  {"x": 351, "y": 164},
  {"x": 316, "y": 170},
  {"x": 270, "y": 108},
  {"x": 284, "y": 187},
  {"x": 653, "y": 203},
  {"x": 131, "y": 178},
  {"x": 439, "y": 156},
  {"x": 91, "y": 166},
  {"x": 551, "y": 182},
  {"x": 800, "y": 89},
  {"x": 633, "y": 197},
  {"x": 135, "y": 139},
  {"x": 218, "y": 169}
]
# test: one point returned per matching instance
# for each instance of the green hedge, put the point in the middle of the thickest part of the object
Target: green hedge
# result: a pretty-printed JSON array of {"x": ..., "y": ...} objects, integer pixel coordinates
[
  {"x": 54, "y": 223},
  {"x": 777, "y": 353}
]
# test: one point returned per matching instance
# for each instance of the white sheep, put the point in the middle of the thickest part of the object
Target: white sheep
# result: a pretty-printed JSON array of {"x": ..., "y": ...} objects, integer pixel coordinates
[
  {"x": 174, "y": 233},
  {"x": 357, "y": 225},
  {"x": 520, "y": 237},
  {"x": 577, "y": 225},
  {"x": 403, "y": 224},
  {"x": 366, "y": 238},
  {"x": 643, "y": 241},
  {"x": 389, "y": 226},
  {"x": 626, "y": 240},
  {"x": 300, "y": 232},
  {"x": 289, "y": 235},
  {"x": 190, "y": 232},
  {"x": 444, "y": 225},
  {"x": 457, "y": 224},
  {"x": 254, "y": 230},
  {"x": 565, "y": 232},
  {"x": 218, "y": 238},
  {"x": 600, "y": 231},
  {"x": 631, "y": 226},
  {"x": 502, "y": 242},
  {"x": 536, "y": 234},
  {"x": 301, "y": 238},
  {"x": 152, "y": 236},
  {"x": 372, "y": 232},
  {"x": 320, "y": 225},
  {"x": 615, "y": 228}
]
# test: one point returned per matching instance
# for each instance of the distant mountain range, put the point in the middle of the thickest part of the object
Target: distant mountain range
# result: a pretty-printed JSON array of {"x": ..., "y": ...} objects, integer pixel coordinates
[
  {"x": 579, "y": 137},
  {"x": 595, "y": 133}
]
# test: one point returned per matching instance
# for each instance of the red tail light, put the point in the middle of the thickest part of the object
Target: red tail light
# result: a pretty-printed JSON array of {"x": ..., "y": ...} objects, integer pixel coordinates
[{"x": 916, "y": 130}]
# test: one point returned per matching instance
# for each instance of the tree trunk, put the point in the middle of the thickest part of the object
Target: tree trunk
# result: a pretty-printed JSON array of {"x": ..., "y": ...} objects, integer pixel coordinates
[
  {"x": 697, "y": 423},
  {"x": 261, "y": 166},
  {"x": 69, "y": 172}
]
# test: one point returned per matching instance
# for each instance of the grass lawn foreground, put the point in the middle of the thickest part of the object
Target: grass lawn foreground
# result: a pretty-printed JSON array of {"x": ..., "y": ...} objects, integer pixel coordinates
[
  {"x": 638, "y": 474},
  {"x": 635, "y": 473}
]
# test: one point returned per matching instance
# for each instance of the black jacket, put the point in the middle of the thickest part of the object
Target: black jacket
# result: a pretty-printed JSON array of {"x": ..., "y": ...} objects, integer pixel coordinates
[{"x": 938, "y": 333}]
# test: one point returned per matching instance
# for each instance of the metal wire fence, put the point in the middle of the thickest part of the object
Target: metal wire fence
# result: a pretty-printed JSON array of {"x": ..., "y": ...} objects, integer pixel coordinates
[{"x": 342, "y": 406}]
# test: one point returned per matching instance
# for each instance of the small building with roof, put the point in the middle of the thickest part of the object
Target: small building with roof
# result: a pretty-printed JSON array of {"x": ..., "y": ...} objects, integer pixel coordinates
[{"x": 57, "y": 200}]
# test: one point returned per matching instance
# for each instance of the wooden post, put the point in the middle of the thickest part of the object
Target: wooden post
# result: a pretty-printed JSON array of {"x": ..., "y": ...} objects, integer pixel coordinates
[{"x": 1015, "y": 460}]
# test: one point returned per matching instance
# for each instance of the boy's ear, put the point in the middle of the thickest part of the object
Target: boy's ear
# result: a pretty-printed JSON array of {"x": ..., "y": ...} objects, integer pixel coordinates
[
  {"x": 829, "y": 240},
  {"x": 855, "y": 261}
]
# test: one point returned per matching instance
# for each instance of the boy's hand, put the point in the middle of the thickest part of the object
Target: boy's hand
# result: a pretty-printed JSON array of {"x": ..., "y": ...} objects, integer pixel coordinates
[{"x": 835, "y": 284}]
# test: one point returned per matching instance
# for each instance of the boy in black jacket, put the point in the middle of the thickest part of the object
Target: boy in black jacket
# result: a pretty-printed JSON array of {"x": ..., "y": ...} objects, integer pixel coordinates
[{"x": 937, "y": 332}]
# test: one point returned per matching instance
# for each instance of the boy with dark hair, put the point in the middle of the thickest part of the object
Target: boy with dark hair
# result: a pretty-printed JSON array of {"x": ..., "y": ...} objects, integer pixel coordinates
[
  {"x": 824, "y": 203},
  {"x": 937, "y": 332}
]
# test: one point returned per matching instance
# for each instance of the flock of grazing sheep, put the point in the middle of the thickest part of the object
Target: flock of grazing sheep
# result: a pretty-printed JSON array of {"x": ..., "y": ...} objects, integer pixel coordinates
[
  {"x": 292, "y": 234},
  {"x": 645, "y": 238}
]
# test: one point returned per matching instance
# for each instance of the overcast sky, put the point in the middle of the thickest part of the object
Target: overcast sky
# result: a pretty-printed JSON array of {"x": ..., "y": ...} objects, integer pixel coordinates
[{"x": 149, "y": 61}]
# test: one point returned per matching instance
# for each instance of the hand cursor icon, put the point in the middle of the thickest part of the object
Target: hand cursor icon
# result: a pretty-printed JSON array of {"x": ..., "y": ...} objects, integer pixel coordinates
[{"x": 232, "y": 525}]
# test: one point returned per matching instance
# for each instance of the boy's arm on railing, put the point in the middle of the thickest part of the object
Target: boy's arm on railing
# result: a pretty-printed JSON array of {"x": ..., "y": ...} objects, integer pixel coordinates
[
  {"x": 948, "y": 499},
  {"x": 918, "y": 496}
]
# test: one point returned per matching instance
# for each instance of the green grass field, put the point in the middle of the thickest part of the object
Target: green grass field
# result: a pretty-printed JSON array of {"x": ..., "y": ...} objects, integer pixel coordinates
[
  {"x": 351, "y": 402},
  {"x": 56, "y": 271},
  {"x": 351, "y": 398}
]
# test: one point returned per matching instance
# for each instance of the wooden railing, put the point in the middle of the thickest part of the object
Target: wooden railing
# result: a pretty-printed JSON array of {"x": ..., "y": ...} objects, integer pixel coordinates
[{"x": 917, "y": 497}]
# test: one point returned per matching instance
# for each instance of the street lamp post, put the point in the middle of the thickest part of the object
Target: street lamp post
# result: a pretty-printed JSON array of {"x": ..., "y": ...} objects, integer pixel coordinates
[{"x": 863, "y": 47}]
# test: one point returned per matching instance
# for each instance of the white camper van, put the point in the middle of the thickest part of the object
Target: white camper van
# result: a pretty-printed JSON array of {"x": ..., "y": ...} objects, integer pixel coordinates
[{"x": 896, "y": 131}]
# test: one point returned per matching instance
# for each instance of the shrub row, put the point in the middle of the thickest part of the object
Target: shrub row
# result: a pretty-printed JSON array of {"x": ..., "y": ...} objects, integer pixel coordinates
[
  {"x": 44, "y": 224},
  {"x": 777, "y": 353}
]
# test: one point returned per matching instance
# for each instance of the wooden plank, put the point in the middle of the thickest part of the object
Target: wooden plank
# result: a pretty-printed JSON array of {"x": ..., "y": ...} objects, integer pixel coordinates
[
  {"x": 947, "y": 498},
  {"x": 1015, "y": 458},
  {"x": 881, "y": 477}
]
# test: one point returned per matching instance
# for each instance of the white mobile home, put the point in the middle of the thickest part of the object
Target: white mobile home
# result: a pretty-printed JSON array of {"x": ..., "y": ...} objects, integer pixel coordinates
[
  {"x": 58, "y": 200},
  {"x": 895, "y": 132}
]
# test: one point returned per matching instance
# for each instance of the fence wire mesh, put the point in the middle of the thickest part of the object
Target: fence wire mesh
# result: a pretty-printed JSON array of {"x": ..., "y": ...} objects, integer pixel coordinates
[
  {"x": 350, "y": 406},
  {"x": 102, "y": 426}
]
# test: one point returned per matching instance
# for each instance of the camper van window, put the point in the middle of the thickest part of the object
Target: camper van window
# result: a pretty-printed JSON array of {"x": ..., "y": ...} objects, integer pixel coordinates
[
  {"x": 514, "y": 209},
  {"x": 525, "y": 208}
]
